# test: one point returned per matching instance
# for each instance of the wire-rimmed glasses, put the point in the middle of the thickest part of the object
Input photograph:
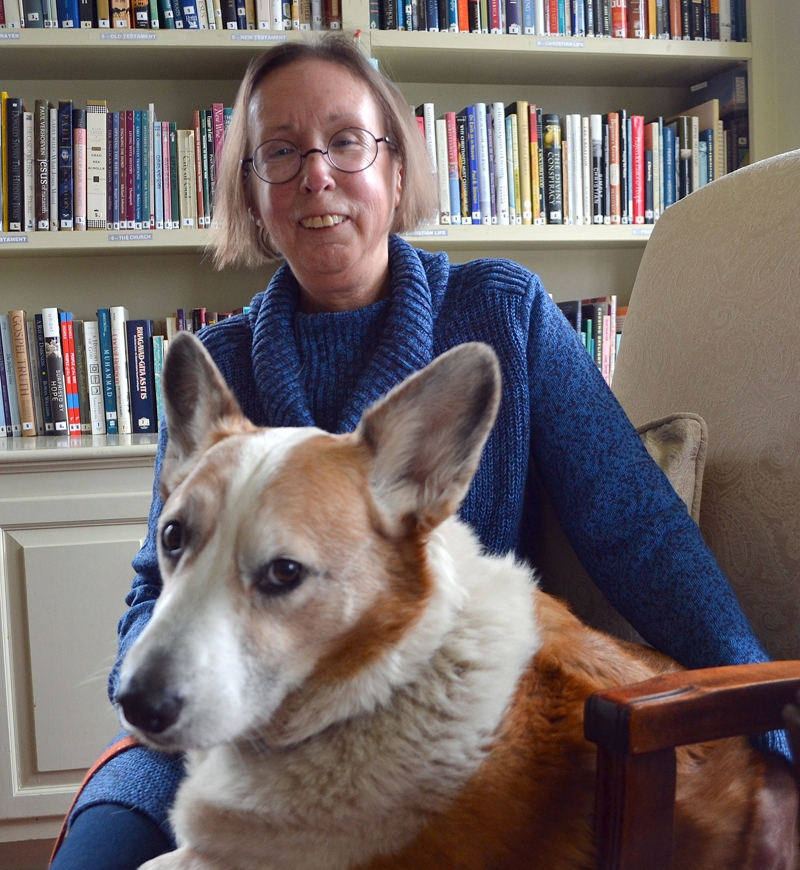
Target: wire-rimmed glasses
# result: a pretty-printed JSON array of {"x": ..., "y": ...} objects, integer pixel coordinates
[{"x": 352, "y": 149}]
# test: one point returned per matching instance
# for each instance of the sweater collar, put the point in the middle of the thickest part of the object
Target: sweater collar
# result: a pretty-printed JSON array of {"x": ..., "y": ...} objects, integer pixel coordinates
[{"x": 405, "y": 345}]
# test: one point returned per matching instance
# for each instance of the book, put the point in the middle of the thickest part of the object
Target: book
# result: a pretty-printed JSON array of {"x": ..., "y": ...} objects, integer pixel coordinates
[
  {"x": 174, "y": 175},
  {"x": 9, "y": 364},
  {"x": 638, "y": 169},
  {"x": 552, "y": 168},
  {"x": 442, "y": 174},
  {"x": 501, "y": 178},
  {"x": 521, "y": 109},
  {"x": 94, "y": 373},
  {"x": 452, "y": 167},
  {"x": 65, "y": 168},
  {"x": 482, "y": 153},
  {"x": 596, "y": 139},
  {"x": 160, "y": 345},
  {"x": 107, "y": 370},
  {"x": 70, "y": 372},
  {"x": 42, "y": 164},
  {"x": 18, "y": 334},
  {"x": 5, "y": 406},
  {"x": 96, "y": 162},
  {"x": 120, "y": 14},
  {"x": 82, "y": 375},
  {"x": 118, "y": 316},
  {"x": 47, "y": 414},
  {"x": 54, "y": 169},
  {"x": 188, "y": 178},
  {"x": 33, "y": 370},
  {"x": 14, "y": 202},
  {"x": 33, "y": 13},
  {"x": 28, "y": 207},
  {"x": 79, "y": 169},
  {"x": 139, "y": 338},
  {"x": 68, "y": 13}
]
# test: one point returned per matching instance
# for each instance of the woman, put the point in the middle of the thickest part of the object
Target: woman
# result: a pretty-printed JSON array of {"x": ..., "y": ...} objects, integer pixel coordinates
[{"x": 323, "y": 165}]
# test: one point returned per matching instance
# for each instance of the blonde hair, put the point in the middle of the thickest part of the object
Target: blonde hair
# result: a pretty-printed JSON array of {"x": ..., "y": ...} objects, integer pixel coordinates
[{"x": 235, "y": 239}]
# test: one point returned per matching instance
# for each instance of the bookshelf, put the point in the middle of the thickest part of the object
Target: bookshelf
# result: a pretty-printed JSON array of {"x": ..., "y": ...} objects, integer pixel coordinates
[{"x": 91, "y": 498}]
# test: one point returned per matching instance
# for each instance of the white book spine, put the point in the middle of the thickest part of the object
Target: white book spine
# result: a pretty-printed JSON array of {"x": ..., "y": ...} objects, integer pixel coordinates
[
  {"x": 440, "y": 130},
  {"x": 500, "y": 163},
  {"x": 596, "y": 138},
  {"x": 11, "y": 375},
  {"x": 187, "y": 179},
  {"x": 428, "y": 113},
  {"x": 119, "y": 353},
  {"x": 276, "y": 17},
  {"x": 29, "y": 213},
  {"x": 33, "y": 374},
  {"x": 316, "y": 14},
  {"x": 96, "y": 181},
  {"x": 576, "y": 156},
  {"x": 14, "y": 19},
  {"x": 586, "y": 170},
  {"x": 202, "y": 15},
  {"x": 484, "y": 184},
  {"x": 91, "y": 335},
  {"x": 263, "y": 14},
  {"x": 53, "y": 168},
  {"x": 725, "y": 20}
]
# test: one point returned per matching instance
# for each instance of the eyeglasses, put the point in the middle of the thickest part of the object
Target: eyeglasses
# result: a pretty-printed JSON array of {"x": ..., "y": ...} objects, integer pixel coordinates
[{"x": 277, "y": 161}]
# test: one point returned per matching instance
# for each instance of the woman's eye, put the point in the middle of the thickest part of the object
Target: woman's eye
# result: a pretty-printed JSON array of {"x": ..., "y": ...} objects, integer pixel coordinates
[
  {"x": 172, "y": 538},
  {"x": 281, "y": 575}
]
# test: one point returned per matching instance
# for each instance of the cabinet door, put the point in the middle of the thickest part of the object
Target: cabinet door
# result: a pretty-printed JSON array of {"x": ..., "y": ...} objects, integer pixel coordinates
[{"x": 63, "y": 582}]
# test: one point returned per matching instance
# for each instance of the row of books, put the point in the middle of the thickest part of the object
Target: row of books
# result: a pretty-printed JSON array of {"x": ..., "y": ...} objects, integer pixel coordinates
[
  {"x": 516, "y": 164},
  {"x": 173, "y": 14},
  {"x": 68, "y": 168},
  {"x": 598, "y": 323},
  {"x": 60, "y": 375},
  {"x": 719, "y": 20}
]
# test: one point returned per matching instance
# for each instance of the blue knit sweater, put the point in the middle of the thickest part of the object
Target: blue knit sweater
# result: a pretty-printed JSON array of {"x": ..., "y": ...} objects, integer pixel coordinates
[{"x": 556, "y": 416}]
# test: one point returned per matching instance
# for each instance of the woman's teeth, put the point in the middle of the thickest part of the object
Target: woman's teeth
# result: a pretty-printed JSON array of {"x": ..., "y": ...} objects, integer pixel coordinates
[{"x": 326, "y": 220}]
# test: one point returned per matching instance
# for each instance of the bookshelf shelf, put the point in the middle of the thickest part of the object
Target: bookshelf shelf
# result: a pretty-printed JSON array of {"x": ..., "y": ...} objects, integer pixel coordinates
[
  {"x": 126, "y": 242},
  {"x": 501, "y": 59}
]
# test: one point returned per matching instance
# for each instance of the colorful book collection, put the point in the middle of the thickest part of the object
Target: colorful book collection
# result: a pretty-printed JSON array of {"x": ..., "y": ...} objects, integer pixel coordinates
[
  {"x": 719, "y": 20},
  {"x": 173, "y": 14},
  {"x": 598, "y": 323},
  {"x": 518, "y": 164},
  {"x": 63, "y": 376},
  {"x": 70, "y": 168}
]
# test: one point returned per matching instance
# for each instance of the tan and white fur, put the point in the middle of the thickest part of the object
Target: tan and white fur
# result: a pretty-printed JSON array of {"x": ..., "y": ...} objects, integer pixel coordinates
[{"x": 356, "y": 684}]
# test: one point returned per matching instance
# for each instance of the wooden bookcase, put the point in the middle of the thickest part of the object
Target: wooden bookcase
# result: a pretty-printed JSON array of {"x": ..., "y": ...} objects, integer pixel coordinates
[{"x": 92, "y": 500}]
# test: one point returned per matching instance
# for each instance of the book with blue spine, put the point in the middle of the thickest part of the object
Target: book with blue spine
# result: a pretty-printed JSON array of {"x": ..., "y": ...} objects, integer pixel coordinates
[
  {"x": 514, "y": 17},
  {"x": 528, "y": 18},
  {"x": 190, "y": 19},
  {"x": 669, "y": 166},
  {"x": 139, "y": 340},
  {"x": 107, "y": 370},
  {"x": 68, "y": 13},
  {"x": 472, "y": 152},
  {"x": 11, "y": 376},
  {"x": 158, "y": 368},
  {"x": 41, "y": 360}
]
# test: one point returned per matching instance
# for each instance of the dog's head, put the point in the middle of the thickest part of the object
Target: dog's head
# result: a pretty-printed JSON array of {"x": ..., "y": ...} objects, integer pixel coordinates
[{"x": 298, "y": 587}]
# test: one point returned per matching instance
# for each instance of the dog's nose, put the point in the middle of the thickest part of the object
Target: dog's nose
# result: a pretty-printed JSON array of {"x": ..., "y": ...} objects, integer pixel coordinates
[{"x": 149, "y": 707}]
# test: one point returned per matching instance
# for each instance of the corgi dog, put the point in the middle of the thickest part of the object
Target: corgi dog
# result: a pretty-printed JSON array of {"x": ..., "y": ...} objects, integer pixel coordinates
[{"x": 355, "y": 683}]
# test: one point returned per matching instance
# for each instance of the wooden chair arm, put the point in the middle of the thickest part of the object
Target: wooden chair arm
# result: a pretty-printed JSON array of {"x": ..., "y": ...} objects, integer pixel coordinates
[{"x": 637, "y": 728}]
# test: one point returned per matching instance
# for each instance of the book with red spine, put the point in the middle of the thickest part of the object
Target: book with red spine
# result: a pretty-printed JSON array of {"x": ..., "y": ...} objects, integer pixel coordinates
[
  {"x": 463, "y": 15},
  {"x": 638, "y": 176},
  {"x": 619, "y": 18},
  {"x": 70, "y": 373},
  {"x": 198, "y": 162},
  {"x": 637, "y": 19}
]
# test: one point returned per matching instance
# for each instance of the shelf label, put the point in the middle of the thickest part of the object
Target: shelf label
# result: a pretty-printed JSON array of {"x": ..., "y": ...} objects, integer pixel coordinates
[
  {"x": 130, "y": 237},
  {"x": 642, "y": 231},
  {"x": 258, "y": 37},
  {"x": 560, "y": 43},
  {"x": 417, "y": 233},
  {"x": 148, "y": 36},
  {"x": 13, "y": 240},
  {"x": 12, "y": 35}
]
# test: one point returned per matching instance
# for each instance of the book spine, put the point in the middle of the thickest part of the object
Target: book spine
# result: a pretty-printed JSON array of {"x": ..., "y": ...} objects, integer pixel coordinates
[
  {"x": 22, "y": 372},
  {"x": 188, "y": 179},
  {"x": 65, "y": 169},
  {"x": 14, "y": 148},
  {"x": 166, "y": 174},
  {"x": 70, "y": 375},
  {"x": 619, "y": 18},
  {"x": 53, "y": 178},
  {"x": 586, "y": 170},
  {"x": 174, "y": 176},
  {"x": 637, "y": 123},
  {"x": 482, "y": 150},
  {"x": 596, "y": 136},
  {"x": 94, "y": 372},
  {"x": 33, "y": 374},
  {"x": 198, "y": 170},
  {"x": 139, "y": 335},
  {"x": 474, "y": 168},
  {"x": 107, "y": 370},
  {"x": 56, "y": 379},
  {"x": 501, "y": 179},
  {"x": 524, "y": 145},
  {"x": 614, "y": 169},
  {"x": 130, "y": 167},
  {"x": 41, "y": 358},
  {"x": 9, "y": 361},
  {"x": 29, "y": 209},
  {"x": 552, "y": 168},
  {"x": 119, "y": 354},
  {"x": 5, "y": 405},
  {"x": 158, "y": 368},
  {"x": 96, "y": 165},
  {"x": 463, "y": 168},
  {"x": 82, "y": 375},
  {"x": 452, "y": 167},
  {"x": 79, "y": 168}
]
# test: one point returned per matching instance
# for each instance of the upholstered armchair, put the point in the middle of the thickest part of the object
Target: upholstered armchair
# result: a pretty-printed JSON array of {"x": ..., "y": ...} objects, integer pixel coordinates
[{"x": 712, "y": 329}]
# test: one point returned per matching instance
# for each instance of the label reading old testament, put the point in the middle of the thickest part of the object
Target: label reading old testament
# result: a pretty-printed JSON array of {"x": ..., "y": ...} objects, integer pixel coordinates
[
  {"x": 13, "y": 240},
  {"x": 147, "y": 36}
]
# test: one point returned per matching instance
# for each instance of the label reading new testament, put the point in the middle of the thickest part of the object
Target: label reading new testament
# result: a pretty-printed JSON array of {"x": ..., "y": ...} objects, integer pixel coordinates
[
  {"x": 13, "y": 240},
  {"x": 560, "y": 43},
  {"x": 130, "y": 237},
  {"x": 258, "y": 37}
]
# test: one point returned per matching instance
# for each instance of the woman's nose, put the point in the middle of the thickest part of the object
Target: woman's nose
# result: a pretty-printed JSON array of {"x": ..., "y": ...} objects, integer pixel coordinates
[{"x": 317, "y": 171}]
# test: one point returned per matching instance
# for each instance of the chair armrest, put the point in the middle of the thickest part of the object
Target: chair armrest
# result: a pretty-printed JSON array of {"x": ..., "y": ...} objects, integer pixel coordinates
[{"x": 637, "y": 728}]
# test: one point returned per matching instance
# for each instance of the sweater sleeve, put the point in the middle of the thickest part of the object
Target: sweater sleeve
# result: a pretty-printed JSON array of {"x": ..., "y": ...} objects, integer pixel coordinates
[{"x": 623, "y": 518}]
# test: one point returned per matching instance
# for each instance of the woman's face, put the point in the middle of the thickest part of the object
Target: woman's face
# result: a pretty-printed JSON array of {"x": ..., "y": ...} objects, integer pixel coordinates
[{"x": 331, "y": 226}]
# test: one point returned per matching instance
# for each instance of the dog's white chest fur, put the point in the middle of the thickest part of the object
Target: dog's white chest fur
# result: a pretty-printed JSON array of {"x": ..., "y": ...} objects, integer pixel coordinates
[{"x": 365, "y": 786}]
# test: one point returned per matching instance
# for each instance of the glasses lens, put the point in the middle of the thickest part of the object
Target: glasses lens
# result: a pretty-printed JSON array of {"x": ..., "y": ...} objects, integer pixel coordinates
[
  {"x": 352, "y": 149},
  {"x": 276, "y": 160}
]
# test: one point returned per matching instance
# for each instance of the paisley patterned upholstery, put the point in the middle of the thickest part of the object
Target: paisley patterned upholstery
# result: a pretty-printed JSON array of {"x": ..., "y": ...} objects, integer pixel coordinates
[{"x": 713, "y": 327}]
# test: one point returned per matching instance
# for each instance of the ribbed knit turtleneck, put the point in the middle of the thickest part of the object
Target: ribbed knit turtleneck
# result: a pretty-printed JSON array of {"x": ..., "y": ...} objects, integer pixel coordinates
[{"x": 333, "y": 350}]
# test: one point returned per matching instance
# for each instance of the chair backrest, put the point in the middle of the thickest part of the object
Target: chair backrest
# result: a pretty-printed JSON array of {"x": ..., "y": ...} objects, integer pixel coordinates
[{"x": 712, "y": 328}]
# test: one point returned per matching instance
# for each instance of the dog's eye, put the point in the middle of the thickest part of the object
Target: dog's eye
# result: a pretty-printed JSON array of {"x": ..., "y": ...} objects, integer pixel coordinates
[
  {"x": 172, "y": 538},
  {"x": 282, "y": 575}
]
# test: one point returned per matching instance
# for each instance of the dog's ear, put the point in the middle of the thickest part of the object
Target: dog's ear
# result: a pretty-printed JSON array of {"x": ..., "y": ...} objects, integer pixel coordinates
[
  {"x": 196, "y": 400},
  {"x": 427, "y": 434}
]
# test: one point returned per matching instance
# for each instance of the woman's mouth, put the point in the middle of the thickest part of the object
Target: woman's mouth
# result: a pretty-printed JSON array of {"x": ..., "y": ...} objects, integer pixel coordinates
[{"x": 320, "y": 221}]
